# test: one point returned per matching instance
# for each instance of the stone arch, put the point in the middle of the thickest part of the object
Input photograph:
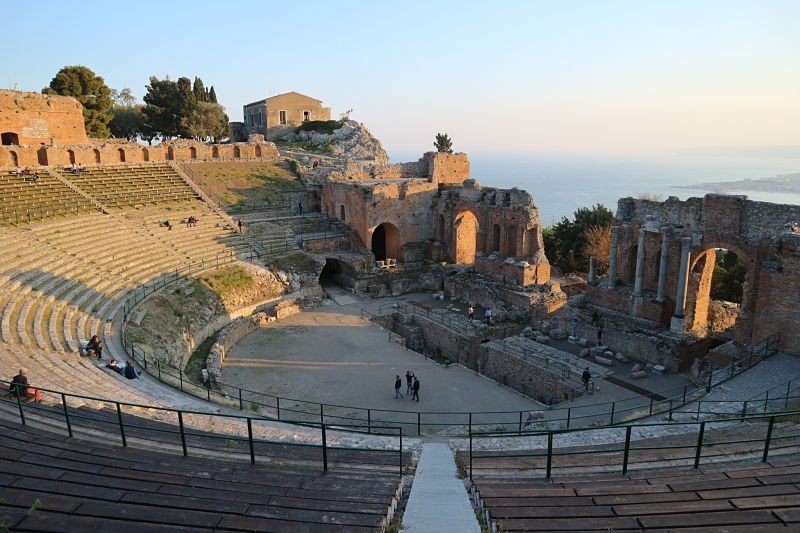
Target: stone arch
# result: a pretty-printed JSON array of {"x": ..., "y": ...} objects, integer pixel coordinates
[
  {"x": 495, "y": 238},
  {"x": 465, "y": 242},
  {"x": 121, "y": 154},
  {"x": 14, "y": 158},
  {"x": 41, "y": 154},
  {"x": 9, "y": 138},
  {"x": 171, "y": 153},
  {"x": 386, "y": 241},
  {"x": 341, "y": 212},
  {"x": 96, "y": 155},
  {"x": 440, "y": 228},
  {"x": 192, "y": 152},
  {"x": 510, "y": 249},
  {"x": 337, "y": 272},
  {"x": 699, "y": 298},
  {"x": 145, "y": 154},
  {"x": 71, "y": 156},
  {"x": 258, "y": 150},
  {"x": 237, "y": 153},
  {"x": 215, "y": 152}
]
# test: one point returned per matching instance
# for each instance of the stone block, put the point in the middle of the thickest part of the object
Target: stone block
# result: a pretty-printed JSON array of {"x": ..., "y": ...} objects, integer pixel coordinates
[
  {"x": 603, "y": 360},
  {"x": 621, "y": 358},
  {"x": 544, "y": 339},
  {"x": 639, "y": 374},
  {"x": 659, "y": 369},
  {"x": 572, "y": 339},
  {"x": 637, "y": 367},
  {"x": 585, "y": 352},
  {"x": 583, "y": 341}
]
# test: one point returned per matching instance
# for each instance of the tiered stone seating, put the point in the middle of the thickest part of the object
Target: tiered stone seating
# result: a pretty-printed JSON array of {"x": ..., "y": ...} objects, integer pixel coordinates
[
  {"x": 62, "y": 282},
  {"x": 661, "y": 490},
  {"x": 94, "y": 486},
  {"x": 131, "y": 185},
  {"x": 24, "y": 201}
]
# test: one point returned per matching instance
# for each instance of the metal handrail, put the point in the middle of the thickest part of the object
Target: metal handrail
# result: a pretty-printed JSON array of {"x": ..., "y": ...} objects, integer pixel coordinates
[
  {"x": 70, "y": 414},
  {"x": 550, "y": 452}
]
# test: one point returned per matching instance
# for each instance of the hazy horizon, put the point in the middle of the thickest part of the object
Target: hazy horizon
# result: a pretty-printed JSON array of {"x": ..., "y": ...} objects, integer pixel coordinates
[{"x": 619, "y": 77}]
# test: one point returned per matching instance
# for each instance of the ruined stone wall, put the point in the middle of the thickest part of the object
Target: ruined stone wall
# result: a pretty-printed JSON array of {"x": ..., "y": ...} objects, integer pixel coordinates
[
  {"x": 446, "y": 169},
  {"x": 117, "y": 151},
  {"x": 41, "y": 119},
  {"x": 759, "y": 233},
  {"x": 523, "y": 376}
]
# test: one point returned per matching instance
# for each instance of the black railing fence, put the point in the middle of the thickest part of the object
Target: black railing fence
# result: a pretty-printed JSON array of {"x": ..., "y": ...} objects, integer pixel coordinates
[{"x": 126, "y": 418}]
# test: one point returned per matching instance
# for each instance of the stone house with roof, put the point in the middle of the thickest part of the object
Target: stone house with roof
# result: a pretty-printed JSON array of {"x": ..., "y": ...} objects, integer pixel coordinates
[{"x": 280, "y": 111}]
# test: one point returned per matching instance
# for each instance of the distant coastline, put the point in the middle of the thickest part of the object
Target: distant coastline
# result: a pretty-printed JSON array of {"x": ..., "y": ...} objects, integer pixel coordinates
[{"x": 786, "y": 183}]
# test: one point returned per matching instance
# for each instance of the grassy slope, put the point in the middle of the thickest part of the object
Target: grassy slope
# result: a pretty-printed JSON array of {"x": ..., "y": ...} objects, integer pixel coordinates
[{"x": 246, "y": 182}]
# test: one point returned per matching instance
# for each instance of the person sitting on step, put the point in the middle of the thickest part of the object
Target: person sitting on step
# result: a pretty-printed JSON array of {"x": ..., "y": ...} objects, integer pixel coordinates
[
  {"x": 130, "y": 371},
  {"x": 94, "y": 347},
  {"x": 19, "y": 387},
  {"x": 115, "y": 367}
]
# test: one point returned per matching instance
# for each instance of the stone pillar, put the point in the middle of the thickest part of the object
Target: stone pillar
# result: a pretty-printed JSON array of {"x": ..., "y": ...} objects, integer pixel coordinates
[
  {"x": 592, "y": 271},
  {"x": 683, "y": 282},
  {"x": 639, "y": 278},
  {"x": 612, "y": 262},
  {"x": 662, "y": 266}
]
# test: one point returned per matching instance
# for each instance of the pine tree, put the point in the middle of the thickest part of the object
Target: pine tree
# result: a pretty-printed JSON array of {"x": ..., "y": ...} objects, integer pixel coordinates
[
  {"x": 91, "y": 91},
  {"x": 200, "y": 93},
  {"x": 212, "y": 95},
  {"x": 443, "y": 143}
]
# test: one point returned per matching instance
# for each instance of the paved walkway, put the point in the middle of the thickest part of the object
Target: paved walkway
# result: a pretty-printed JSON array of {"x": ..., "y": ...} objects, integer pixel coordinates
[{"x": 438, "y": 500}]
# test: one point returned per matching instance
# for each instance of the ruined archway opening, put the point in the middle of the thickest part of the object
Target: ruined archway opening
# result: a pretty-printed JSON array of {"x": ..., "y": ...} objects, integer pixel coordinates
[
  {"x": 716, "y": 291},
  {"x": 192, "y": 153},
  {"x": 511, "y": 242},
  {"x": 496, "y": 238},
  {"x": 9, "y": 138},
  {"x": 338, "y": 273},
  {"x": 71, "y": 155},
  {"x": 215, "y": 152},
  {"x": 466, "y": 238},
  {"x": 386, "y": 242},
  {"x": 96, "y": 156},
  {"x": 121, "y": 154}
]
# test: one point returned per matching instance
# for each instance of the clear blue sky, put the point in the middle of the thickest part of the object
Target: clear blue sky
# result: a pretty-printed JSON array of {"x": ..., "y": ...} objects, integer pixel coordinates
[{"x": 619, "y": 77}]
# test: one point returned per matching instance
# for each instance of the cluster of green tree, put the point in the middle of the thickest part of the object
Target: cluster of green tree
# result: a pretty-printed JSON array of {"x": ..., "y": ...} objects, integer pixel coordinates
[
  {"x": 729, "y": 273},
  {"x": 570, "y": 243},
  {"x": 171, "y": 108}
]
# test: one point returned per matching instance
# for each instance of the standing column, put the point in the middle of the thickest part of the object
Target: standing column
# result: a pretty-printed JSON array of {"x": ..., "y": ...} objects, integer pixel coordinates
[
  {"x": 639, "y": 278},
  {"x": 592, "y": 271},
  {"x": 662, "y": 266},
  {"x": 612, "y": 262},
  {"x": 683, "y": 277}
]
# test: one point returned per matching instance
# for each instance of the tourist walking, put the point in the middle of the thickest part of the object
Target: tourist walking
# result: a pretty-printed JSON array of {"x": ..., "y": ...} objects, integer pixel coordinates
[
  {"x": 471, "y": 313},
  {"x": 415, "y": 388},
  {"x": 409, "y": 382},
  {"x": 397, "y": 384},
  {"x": 600, "y": 335},
  {"x": 487, "y": 316},
  {"x": 300, "y": 208},
  {"x": 575, "y": 327},
  {"x": 587, "y": 376},
  {"x": 240, "y": 224}
]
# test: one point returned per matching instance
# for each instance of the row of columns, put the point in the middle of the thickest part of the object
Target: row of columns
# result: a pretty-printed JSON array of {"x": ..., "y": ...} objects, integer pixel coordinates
[{"x": 683, "y": 272}]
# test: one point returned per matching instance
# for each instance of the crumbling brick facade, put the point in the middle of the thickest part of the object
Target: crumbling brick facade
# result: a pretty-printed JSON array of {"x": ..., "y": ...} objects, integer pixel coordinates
[
  {"x": 442, "y": 215},
  {"x": 37, "y": 119},
  {"x": 675, "y": 292}
]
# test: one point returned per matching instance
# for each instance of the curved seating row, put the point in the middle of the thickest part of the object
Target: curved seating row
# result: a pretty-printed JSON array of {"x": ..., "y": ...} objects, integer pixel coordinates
[{"x": 54, "y": 483}]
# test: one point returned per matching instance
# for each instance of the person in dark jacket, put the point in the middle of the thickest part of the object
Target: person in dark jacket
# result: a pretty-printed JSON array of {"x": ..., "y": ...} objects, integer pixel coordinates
[
  {"x": 130, "y": 371},
  {"x": 95, "y": 346},
  {"x": 586, "y": 377},
  {"x": 416, "y": 390},
  {"x": 19, "y": 386},
  {"x": 397, "y": 384}
]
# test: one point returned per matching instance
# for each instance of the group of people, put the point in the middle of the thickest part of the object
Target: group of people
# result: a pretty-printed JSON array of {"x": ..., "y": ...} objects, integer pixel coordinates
[
  {"x": 191, "y": 221},
  {"x": 95, "y": 348},
  {"x": 412, "y": 386},
  {"x": 125, "y": 368},
  {"x": 76, "y": 168},
  {"x": 27, "y": 172},
  {"x": 487, "y": 314}
]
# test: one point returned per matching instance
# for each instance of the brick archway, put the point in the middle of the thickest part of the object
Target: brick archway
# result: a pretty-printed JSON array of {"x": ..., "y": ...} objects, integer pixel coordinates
[
  {"x": 465, "y": 238},
  {"x": 699, "y": 297},
  {"x": 385, "y": 242}
]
